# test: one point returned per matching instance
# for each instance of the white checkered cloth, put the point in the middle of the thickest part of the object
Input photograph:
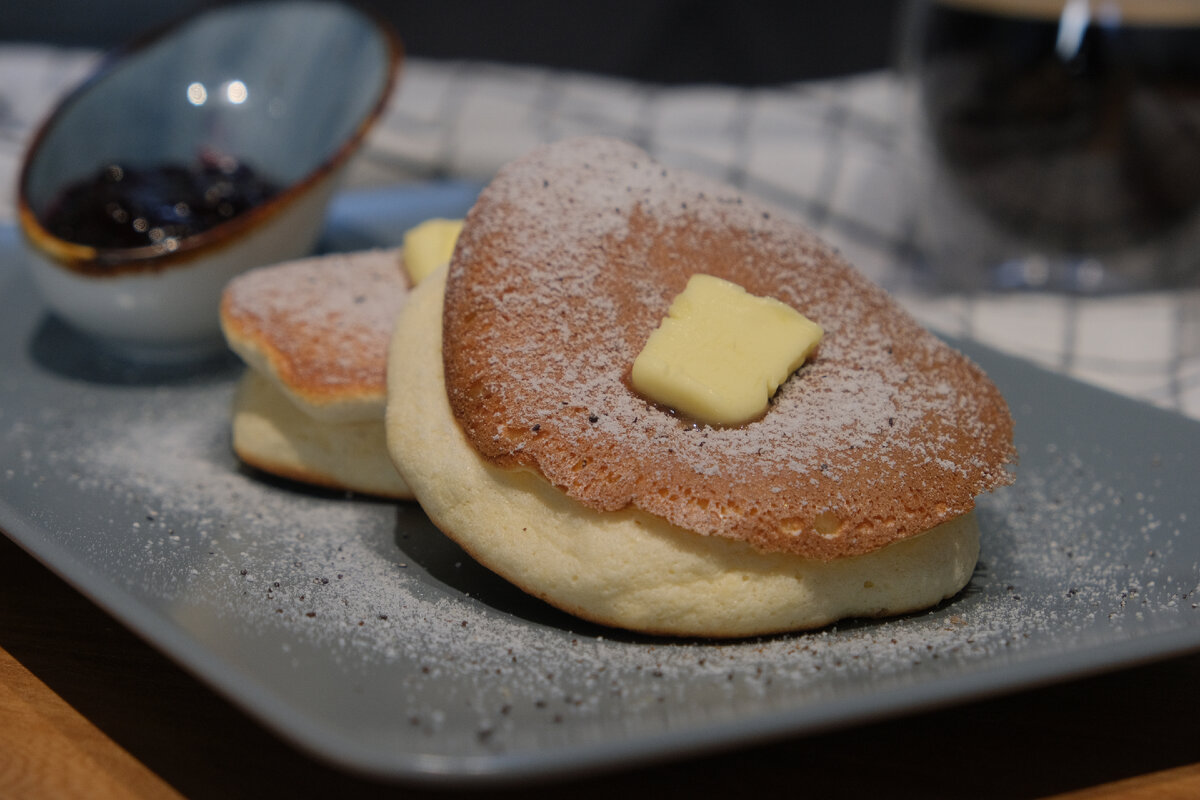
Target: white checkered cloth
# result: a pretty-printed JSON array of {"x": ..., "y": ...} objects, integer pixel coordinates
[{"x": 829, "y": 150}]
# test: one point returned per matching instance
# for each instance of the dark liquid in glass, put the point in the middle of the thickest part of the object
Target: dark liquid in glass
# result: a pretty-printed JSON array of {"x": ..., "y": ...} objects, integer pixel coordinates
[{"x": 1084, "y": 137}]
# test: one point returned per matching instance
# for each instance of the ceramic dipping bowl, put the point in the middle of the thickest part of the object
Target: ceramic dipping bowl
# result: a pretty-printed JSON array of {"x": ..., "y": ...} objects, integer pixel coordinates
[{"x": 201, "y": 151}]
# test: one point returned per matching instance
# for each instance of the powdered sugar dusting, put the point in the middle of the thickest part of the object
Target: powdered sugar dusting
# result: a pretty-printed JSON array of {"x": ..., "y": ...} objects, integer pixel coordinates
[
  {"x": 364, "y": 602},
  {"x": 570, "y": 259},
  {"x": 323, "y": 323}
]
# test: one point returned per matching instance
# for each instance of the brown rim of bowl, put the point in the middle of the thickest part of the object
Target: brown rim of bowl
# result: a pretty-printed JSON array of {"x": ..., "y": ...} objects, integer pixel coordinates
[{"x": 110, "y": 262}]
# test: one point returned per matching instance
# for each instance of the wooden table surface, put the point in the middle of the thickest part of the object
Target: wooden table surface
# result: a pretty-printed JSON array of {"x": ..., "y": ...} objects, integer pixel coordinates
[{"x": 89, "y": 710}]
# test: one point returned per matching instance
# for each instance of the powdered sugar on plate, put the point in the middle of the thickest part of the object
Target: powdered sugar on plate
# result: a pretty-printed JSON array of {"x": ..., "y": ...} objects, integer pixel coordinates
[{"x": 366, "y": 602}]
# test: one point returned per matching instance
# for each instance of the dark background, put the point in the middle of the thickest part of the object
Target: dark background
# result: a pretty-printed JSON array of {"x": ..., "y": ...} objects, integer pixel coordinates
[{"x": 745, "y": 42}]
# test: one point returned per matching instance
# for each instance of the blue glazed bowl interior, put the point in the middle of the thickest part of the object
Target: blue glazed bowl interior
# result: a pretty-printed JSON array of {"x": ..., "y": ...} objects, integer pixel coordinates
[{"x": 281, "y": 87}]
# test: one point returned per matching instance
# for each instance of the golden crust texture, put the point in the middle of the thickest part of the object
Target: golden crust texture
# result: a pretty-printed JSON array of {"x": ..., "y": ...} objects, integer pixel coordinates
[
  {"x": 628, "y": 568},
  {"x": 569, "y": 260},
  {"x": 320, "y": 328}
]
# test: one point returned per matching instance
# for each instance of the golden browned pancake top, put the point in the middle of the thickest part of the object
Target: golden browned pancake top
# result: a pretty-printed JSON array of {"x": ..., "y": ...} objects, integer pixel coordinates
[
  {"x": 321, "y": 324},
  {"x": 569, "y": 260}
]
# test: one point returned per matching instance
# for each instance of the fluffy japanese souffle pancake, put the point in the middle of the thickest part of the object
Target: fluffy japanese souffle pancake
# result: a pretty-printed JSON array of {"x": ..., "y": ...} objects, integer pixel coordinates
[
  {"x": 512, "y": 417},
  {"x": 315, "y": 334}
]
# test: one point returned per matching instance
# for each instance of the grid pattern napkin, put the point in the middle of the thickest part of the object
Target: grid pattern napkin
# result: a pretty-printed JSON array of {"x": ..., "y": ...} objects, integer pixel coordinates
[{"x": 830, "y": 150}]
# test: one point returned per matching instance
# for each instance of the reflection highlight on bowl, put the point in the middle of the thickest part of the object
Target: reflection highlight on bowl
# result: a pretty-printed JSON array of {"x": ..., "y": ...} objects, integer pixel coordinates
[{"x": 194, "y": 154}]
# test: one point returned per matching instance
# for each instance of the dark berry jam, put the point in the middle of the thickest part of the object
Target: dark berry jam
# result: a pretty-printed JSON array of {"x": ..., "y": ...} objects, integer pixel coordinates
[{"x": 122, "y": 207}]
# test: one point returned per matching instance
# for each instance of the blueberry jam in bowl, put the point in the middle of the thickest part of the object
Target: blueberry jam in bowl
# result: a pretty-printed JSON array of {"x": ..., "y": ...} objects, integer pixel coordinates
[{"x": 192, "y": 155}]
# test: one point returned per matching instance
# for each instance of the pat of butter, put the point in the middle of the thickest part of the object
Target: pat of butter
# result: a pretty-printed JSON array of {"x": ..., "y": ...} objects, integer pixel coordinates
[
  {"x": 429, "y": 245},
  {"x": 721, "y": 352}
]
